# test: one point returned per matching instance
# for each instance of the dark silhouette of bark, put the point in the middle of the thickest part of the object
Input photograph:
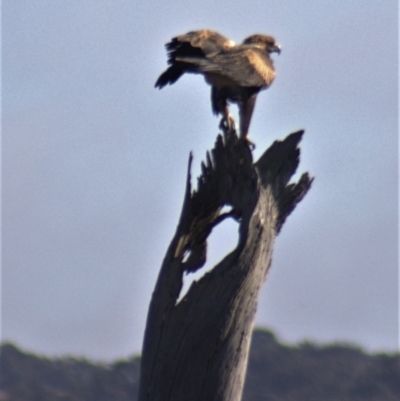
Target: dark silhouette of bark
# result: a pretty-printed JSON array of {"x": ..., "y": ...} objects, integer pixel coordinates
[{"x": 196, "y": 349}]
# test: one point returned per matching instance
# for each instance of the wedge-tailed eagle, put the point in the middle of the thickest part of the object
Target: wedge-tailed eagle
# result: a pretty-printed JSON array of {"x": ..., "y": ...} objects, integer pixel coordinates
[{"x": 236, "y": 73}]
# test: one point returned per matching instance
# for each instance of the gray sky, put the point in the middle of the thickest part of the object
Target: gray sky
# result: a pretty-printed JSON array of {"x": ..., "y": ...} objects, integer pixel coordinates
[{"x": 94, "y": 163}]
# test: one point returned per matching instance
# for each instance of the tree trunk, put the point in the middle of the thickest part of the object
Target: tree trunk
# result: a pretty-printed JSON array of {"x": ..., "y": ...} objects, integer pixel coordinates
[{"x": 196, "y": 349}]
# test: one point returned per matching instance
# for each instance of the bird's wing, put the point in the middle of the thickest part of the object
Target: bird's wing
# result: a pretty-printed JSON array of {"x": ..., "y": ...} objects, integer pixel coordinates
[
  {"x": 185, "y": 51},
  {"x": 198, "y": 44},
  {"x": 245, "y": 66},
  {"x": 207, "y": 40}
]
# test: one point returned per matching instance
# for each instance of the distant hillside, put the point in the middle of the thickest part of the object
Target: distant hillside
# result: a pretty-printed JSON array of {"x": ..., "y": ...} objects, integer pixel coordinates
[
  {"x": 276, "y": 373},
  {"x": 312, "y": 373}
]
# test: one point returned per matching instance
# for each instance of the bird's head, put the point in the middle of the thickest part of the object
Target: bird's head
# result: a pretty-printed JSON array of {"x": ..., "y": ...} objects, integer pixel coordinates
[{"x": 264, "y": 42}]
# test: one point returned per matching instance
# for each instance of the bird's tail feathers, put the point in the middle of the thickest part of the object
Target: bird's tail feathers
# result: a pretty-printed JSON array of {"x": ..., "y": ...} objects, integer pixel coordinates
[{"x": 169, "y": 76}]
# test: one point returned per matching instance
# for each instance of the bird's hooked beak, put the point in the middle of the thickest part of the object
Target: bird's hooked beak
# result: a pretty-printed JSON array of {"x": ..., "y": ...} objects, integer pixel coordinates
[{"x": 275, "y": 49}]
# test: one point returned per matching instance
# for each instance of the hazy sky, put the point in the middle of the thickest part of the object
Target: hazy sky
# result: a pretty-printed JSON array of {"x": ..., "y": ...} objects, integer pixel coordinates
[{"x": 94, "y": 162}]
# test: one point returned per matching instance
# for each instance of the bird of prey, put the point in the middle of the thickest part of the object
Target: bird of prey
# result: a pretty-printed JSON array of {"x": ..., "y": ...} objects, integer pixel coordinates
[{"x": 236, "y": 73}]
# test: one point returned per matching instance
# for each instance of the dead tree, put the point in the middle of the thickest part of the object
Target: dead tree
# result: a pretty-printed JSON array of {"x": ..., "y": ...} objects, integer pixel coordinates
[{"x": 196, "y": 349}]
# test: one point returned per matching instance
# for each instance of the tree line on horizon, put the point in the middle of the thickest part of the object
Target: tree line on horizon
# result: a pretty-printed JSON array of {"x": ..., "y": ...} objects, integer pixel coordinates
[{"x": 275, "y": 372}]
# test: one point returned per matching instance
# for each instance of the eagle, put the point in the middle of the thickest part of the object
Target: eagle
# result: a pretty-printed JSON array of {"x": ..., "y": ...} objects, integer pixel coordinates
[{"x": 236, "y": 73}]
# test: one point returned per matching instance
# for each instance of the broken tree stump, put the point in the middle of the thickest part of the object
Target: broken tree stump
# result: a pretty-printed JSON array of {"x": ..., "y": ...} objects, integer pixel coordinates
[{"x": 196, "y": 349}]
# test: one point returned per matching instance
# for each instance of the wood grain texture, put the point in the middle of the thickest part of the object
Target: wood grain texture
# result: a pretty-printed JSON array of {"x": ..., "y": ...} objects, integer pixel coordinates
[{"x": 197, "y": 349}]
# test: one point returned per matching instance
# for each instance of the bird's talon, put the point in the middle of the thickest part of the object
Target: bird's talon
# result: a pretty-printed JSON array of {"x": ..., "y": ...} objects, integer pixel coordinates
[
  {"x": 227, "y": 124},
  {"x": 250, "y": 143},
  {"x": 231, "y": 124}
]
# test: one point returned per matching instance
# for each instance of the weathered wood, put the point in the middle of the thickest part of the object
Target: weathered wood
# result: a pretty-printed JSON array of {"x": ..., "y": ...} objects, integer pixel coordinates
[{"x": 196, "y": 349}]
